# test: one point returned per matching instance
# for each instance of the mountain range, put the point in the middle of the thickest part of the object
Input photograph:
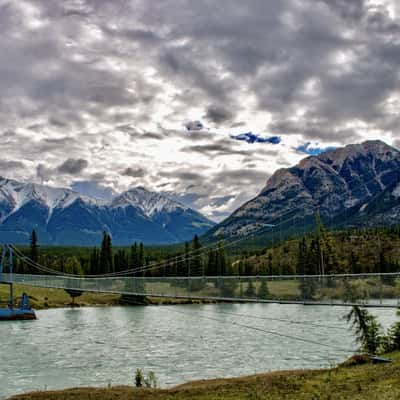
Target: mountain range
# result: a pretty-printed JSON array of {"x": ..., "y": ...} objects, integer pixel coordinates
[
  {"x": 65, "y": 217},
  {"x": 357, "y": 185}
]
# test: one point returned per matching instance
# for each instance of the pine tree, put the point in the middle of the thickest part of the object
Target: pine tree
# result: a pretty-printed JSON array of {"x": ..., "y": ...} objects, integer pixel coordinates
[
  {"x": 250, "y": 291},
  {"x": 196, "y": 266},
  {"x": 263, "y": 291},
  {"x": 197, "y": 261},
  {"x": 221, "y": 259},
  {"x": 366, "y": 328},
  {"x": 141, "y": 256},
  {"x": 74, "y": 267},
  {"x": 301, "y": 265},
  {"x": 34, "y": 247},
  {"x": 106, "y": 259},
  {"x": 133, "y": 257},
  {"x": 187, "y": 261},
  {"x": 211, "y": 269},
  {"x": 94, "y": 262}
]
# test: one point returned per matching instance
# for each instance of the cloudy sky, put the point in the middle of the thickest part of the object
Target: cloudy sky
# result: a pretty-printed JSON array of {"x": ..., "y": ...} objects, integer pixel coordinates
[{"x": 202, "y": 100}]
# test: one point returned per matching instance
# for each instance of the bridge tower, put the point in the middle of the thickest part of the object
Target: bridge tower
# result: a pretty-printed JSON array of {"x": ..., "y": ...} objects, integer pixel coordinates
[
  {"x": 7, "y": 262},
  {"x": 11, "y": 313}
]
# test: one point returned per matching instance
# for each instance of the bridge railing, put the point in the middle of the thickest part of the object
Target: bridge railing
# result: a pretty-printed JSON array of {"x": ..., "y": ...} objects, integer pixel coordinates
[{"x": 362, "y": 289}]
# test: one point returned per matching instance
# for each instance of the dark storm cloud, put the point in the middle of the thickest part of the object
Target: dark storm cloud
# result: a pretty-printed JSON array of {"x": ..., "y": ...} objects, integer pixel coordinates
[
  {"x": 220, "y": 148},
  {"x": 89, "y": 76},
  {"x": 136, "y": 172},
  {"x": 73, "y": 166},
  {"x": 211, "y": 52},
  {"x": 219, "y": 201},
  {"x": 218, "y": 115},
  {"x": 43, "y": 172},
  {"x": 7, "y": 165},
  {"x": 242, "y": 176}
]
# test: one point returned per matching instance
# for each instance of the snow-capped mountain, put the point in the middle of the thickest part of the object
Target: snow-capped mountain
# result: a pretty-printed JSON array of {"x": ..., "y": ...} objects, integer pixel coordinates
[
  {"x": 150, "y": 203},
  {"x": 62, "y": 216},
  {"x": 357, "y": 185}
]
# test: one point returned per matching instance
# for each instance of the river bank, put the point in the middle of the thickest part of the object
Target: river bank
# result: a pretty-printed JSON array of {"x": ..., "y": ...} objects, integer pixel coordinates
[
  {"x": 356, "y": 382},
  {"x": 44, "y": 298}
]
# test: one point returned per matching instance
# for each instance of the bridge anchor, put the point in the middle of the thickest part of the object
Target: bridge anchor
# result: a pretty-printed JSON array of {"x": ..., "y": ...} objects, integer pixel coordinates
[{"x": 25, "y": 311}]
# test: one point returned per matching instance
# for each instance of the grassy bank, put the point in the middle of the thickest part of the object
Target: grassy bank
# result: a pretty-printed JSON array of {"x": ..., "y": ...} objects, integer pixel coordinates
[
  {"x": 43, "y": 298},
  {"x": 356, "y": 382}
]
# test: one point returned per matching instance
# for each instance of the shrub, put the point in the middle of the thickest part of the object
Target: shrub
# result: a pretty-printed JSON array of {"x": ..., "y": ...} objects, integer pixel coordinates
[{"x": 138, "y": 378}]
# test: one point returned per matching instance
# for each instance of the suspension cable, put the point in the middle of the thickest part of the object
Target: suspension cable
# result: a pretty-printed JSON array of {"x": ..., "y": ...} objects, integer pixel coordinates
[
  {"x": 282, "y": 320},
  {"x": 274, "y": 333}
]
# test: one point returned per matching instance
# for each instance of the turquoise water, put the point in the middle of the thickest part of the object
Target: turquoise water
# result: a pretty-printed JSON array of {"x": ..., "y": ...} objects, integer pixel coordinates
[{"x": 101, "y": 346}]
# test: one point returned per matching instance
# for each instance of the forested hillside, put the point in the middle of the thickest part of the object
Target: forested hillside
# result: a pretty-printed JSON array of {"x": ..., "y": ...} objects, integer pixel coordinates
[{"x": 319, "y": 252}]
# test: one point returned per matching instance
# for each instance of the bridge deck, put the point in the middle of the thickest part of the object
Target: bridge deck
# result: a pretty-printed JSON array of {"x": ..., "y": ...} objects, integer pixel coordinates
[{"x": 373, "y": 290}]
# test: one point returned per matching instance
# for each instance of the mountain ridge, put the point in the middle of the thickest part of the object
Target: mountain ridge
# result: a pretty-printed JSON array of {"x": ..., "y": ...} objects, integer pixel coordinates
[
  {"x": 64, "y": 216},
  {"x": 341, "y": 183}
]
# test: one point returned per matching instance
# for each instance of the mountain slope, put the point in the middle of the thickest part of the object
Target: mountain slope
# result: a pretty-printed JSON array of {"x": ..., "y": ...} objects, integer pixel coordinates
[
  {"x": 62, "y": 216},
  {"x": 350, "y": 186}
]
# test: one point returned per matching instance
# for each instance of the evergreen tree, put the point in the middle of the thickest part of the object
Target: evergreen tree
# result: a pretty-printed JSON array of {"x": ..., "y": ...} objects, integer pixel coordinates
[
  {"x": 221, "y": 259},
  {"x": 263, "y": 291},
  {"x": 34, "y": 247},
  {"x": 250, "y": 291},
  {"x": 367, "y": 329},
  {"x": 187, "y": 261},
  {"x": 74, "y": 267},
  {"x": 94, "y": 262},
  {"x": 106, "y": 258},
  {"x": 228, "y": 285},
  {"x": 211, "y": 269},
  {"x": 133, "y": 257},
  {"x": 141, "y": 256},
  {"x": 197, "y": 268}
]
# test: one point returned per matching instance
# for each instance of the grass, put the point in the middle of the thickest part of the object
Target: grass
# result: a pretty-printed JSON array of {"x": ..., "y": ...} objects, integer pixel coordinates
[
  {"x": 42, "y": 298},
  {"x": 356, "y": 382}
]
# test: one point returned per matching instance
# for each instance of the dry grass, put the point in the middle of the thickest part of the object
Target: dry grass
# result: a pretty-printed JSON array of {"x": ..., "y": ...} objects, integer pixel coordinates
[
  {"x": 42, "y": 298},
  {"x": 356, "y": 383}
]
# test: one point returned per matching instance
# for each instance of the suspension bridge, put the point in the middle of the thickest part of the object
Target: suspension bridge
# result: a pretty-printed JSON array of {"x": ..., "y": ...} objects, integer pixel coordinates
[
  {"x": 375, "y": 290},
  {"x": 368, "y": 290}
]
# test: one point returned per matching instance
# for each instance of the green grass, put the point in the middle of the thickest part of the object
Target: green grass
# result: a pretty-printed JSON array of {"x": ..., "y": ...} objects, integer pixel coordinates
[
  {"x": 359, "y": 382},
  {"x": 41, "y": 298}
]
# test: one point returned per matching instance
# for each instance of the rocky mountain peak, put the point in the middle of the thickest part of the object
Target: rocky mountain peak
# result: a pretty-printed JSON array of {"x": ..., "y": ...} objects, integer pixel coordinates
[{"x": 339, "y": 182}]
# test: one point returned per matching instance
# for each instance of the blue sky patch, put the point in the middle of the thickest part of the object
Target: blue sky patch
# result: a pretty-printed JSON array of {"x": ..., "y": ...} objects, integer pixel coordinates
[
  {"x": 307, "y": 148},
  {"x": 251, "y": 138}
]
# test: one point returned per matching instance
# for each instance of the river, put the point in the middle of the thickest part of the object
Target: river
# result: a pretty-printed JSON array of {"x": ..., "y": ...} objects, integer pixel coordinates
[{"x": 100, "y": 346}]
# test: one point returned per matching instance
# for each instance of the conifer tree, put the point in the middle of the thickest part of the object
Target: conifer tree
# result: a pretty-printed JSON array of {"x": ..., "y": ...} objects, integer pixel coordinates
[
  {"x": 221, "y": 259},
  {"x": 74, "y": 267},
  {"x": 196, "y": 265},
  {"x": 106, "y": 259},
  {"x": 34, "y": 247},
  {"x": 263, "y": 291},
  {"x": 187, "y": 260},
  {"x": 197, "y": 261}
]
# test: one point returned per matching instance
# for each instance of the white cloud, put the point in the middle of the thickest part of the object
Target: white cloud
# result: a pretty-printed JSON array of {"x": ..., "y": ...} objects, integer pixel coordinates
[{"x": 113, "y": 84}]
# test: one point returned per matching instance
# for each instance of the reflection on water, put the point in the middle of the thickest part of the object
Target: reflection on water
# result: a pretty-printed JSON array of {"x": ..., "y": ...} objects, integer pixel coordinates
[{"x": 98, "y": 346}]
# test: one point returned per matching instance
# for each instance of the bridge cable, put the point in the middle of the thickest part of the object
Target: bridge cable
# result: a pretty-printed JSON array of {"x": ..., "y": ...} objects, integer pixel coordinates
[
  {"x": 282, "y": 320},
  {"x": 282, "y": 335}
]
